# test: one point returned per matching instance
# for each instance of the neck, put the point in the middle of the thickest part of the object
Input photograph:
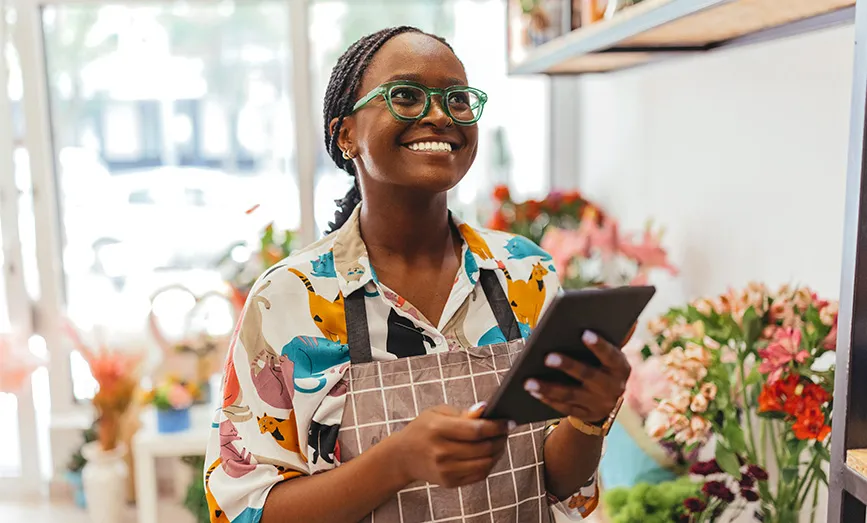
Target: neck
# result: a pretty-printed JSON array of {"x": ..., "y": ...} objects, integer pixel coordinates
[{"x": 405, "y": 223}]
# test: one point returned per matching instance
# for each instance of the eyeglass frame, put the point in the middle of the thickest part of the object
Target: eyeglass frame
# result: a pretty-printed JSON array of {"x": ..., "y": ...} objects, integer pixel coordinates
[{"x": 385, "y": 89}]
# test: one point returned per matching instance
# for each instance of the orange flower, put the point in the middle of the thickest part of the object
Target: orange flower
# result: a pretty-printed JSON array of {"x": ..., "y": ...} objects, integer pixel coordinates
[
  {"x": 533, "y": 208},
  {"x": 811, "y": 425},
  {"x": 501, "y": 193},
  {"x": 774, "y": 395},
  {"x": 571, "y": 197}
]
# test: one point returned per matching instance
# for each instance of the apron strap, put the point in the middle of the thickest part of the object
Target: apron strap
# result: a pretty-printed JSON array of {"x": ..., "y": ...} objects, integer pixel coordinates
[
  {"x": 356, "y": 328},
  {"x": 500, "y": 305},
  {"x": 359, "y": 336}
]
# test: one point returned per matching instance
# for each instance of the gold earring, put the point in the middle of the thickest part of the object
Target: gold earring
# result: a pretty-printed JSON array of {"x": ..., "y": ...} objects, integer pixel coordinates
[{"x": 347, "y": 155}]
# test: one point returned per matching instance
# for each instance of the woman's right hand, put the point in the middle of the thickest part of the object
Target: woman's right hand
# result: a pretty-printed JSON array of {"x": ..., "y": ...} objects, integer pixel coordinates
[{"x": 450, "y": 448}]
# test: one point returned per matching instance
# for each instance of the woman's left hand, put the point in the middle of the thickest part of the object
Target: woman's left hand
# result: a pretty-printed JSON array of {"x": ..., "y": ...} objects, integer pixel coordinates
[{"x": 597, "y": 388}]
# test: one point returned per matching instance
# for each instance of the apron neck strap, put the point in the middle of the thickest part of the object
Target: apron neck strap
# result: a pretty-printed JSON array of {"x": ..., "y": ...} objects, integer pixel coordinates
[{"x": 356, "y": 317}]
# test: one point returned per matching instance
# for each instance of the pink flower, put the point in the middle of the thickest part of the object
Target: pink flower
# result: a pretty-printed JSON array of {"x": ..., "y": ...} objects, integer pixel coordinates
[
  {"x": 783, "y": 349},
  {"x": 709, "y": 390},
  {"x": 649, "y": 252},
  {"x": 699, "y": 403},
  {"x": 179, "y": 397},
  {"x": 564, "y": 245},
  {"x": 828, "y": 314}
]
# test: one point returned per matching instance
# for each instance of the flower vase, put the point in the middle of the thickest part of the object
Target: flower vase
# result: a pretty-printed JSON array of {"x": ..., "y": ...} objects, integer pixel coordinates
[
  {"x": 104, "y": 481},
  {"x": 171, "y": 420},
  {"x": 632, "y": 456}
]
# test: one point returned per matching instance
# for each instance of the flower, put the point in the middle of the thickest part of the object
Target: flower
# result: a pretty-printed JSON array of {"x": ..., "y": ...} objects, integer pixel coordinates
[
  {"x": 811, "y": 425},
  {"x": 783, "y": 349},
  {"x": 747, "y": 481},
  {"x": 828, "y": 314},
  {"x": 708, "y": 390},
  {"x": 703, "y": 306},
  {"x": 696, "y": 352},
  {"x": 699, "y": 403},
  {"x": 774, "y": 395},
  {"x": 648, "y": 253},
  {"x": 718, "y": 489},
  {"x": 501, "y": 193},
  {"x": 498, "y": 222},
  {"x": 757, "y": 473},
  {"x": 694, "y": 505},
  {"x": 705, "y": 468},
  {"x": 749, "y": 495},
  {"x": 179, "y": 397}
]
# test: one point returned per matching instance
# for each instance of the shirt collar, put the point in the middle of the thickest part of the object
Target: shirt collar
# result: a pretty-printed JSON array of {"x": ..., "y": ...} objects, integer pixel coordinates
[{"x": 352, "y": 263}]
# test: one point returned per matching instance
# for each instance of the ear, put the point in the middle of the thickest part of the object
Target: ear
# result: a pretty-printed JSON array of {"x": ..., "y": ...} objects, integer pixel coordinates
[{"x": 346, "y": 138}]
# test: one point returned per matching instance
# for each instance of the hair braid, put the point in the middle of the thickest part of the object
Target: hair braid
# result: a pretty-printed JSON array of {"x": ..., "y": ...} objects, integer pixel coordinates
[{"x": 340, "y": 96}]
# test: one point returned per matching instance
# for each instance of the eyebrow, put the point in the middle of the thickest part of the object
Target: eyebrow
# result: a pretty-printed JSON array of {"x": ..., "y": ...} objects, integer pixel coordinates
[{"x": 417, "y": 78}]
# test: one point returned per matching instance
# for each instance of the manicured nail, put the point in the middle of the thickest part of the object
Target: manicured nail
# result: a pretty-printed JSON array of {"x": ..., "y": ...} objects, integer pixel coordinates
[
  {"x": 536, "y": 395},
  {"x": 553, "y": 360},
  {"x": 512, "y": 425},
  {"x": 531, "y": 385},
  {"x": 589, "y": 337},
  {"x": 478, "y": 406}
]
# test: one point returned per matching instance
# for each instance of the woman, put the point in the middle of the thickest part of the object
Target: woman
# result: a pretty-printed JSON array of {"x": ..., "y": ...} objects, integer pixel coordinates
[{"x": 362, "y": 350}]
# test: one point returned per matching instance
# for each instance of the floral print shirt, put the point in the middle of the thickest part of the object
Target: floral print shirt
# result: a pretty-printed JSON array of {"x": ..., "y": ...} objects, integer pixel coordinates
[{"x": 283, "y": 392}]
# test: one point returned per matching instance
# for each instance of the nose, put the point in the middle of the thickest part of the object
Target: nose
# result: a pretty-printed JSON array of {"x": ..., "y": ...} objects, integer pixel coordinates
[{"x": 436, "y": 115}]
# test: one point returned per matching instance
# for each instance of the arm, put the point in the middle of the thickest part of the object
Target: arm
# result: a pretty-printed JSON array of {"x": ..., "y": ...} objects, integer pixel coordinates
[
  {"x": 571, "y": 458},
  {"x": 362, "y": 484}
]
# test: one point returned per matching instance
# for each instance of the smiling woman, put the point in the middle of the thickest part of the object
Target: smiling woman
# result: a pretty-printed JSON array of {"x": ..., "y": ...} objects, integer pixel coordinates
[{"x": 373, "y": 350}]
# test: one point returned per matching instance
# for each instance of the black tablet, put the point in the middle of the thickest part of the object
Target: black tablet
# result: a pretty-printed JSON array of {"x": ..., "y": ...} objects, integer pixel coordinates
[{"x": 610, "y": 313}]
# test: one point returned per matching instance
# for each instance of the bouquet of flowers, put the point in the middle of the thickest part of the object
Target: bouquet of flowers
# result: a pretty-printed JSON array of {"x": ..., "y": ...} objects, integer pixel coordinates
[
  {"x": 754, "y": 369},
  {"x": 172, "y": 393},
  {"x": 586, "y": 244},
  {"x": 117, "y": 375}
]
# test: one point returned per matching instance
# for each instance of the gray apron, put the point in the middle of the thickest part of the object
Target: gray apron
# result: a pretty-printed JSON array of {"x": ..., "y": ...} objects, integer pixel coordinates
[{"x": 383, "y": 396}]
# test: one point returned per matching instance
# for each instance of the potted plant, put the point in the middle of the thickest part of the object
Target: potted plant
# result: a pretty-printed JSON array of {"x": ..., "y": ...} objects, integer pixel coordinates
[
  {"x": 754, "y": 369},
  {"x": 172, "y": 399}
]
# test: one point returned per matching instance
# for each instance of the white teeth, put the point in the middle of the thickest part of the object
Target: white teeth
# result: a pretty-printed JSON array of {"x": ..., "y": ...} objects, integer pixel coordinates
[{"x": 431, "y": 146}]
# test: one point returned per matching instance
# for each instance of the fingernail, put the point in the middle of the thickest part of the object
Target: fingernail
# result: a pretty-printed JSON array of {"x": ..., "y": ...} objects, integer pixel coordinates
[
  {"x": 512, "y": 425},
  {"x": 553, "y": 360},
  {"x": 536, "y": 395},
  {"x": 531, "y": 385},
  {"x": 478, "y": 406},
  {"x": 589, "y": 337}
]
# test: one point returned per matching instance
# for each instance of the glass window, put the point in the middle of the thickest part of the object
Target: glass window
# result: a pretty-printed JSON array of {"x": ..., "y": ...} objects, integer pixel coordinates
[
  {"x": 512, "y": 132},
  {"x": 170, "y": 120}
]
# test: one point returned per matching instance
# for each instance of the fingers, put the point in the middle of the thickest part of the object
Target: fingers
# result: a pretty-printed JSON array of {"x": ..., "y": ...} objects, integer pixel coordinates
[
  {"x": 462, "y": 451},
  {"x": 464, "y": 429},
  {"x": 476, "y": 411},
  {"x": 610, "y": 356}
]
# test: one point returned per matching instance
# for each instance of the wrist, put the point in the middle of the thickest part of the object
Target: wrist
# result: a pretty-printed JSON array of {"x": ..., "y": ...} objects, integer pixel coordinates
[{"x": 393, "y": 457}]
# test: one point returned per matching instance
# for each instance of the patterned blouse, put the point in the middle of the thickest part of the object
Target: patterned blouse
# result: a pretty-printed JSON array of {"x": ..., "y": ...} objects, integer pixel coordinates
[{"x": 283, "y": 387}]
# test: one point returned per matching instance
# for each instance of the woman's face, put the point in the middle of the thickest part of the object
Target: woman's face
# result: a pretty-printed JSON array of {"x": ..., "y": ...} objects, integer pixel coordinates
[{"x": 381, "y": 143}]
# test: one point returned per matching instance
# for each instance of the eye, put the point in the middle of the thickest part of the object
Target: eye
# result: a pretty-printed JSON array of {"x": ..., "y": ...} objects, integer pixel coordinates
[
  {"x": 406, "y": 95},
  {"x": 459, "y": 98}
]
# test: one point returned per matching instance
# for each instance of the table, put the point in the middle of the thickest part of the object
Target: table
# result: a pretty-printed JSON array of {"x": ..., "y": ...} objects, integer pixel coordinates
[{"x": 148, "y": 445}]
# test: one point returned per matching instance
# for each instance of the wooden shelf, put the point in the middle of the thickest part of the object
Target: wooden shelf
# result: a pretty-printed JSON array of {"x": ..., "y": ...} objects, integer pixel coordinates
[
  {"x": 660, "y": 29},
  {"x": 855, "y": 474}
]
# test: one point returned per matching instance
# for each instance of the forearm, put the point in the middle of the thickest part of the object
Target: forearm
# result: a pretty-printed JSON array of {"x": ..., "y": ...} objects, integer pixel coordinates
[
  {"x": 571, "y": 457},
  {"x": 347, "y": 493}
]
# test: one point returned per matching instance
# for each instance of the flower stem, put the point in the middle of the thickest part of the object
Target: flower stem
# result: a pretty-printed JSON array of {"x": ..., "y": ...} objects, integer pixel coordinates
[
  {"x": 815, "y": 502},
  {"x": 763, "y": 443},
  {"x": 751, "y": 450}
]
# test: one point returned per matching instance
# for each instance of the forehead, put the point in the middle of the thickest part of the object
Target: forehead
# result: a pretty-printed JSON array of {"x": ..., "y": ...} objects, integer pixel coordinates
[{"x": 414, "y": 56}]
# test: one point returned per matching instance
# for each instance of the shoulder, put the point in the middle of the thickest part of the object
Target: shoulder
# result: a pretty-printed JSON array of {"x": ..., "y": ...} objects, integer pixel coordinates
[
  {"x": 516, "y": 252},
  {"x": 295, "y": 273}
]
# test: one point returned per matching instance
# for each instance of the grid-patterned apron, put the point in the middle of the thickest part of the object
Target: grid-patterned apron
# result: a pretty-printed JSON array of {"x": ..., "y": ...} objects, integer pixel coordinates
[{"x": 384, "y": 396}]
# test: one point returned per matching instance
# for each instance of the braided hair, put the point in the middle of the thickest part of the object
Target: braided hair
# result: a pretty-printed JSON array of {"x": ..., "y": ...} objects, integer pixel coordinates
[{"x": 340, "y": 97}]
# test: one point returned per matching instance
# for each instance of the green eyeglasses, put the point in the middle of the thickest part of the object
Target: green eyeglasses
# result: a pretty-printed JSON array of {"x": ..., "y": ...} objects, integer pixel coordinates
[{"x": 408, "y": 101}]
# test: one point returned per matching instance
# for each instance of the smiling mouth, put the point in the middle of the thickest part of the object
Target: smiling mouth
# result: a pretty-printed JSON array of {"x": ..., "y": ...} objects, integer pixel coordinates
[{"x": 431, "y": 147}]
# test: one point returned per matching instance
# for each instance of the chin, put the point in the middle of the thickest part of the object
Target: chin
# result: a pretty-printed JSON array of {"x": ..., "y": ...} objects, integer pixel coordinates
[{"x": 434, "y": 180}]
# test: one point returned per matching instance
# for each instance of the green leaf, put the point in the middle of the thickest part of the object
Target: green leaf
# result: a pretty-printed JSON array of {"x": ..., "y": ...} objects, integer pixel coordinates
[
  {"x": 790, "y": 474},
  {"x": 821, "y": 475},
  {"x": 734, "y": 436},
  {"x": 646, "y": 352},
  {"x": 752, "y": 327},
  {"x": 728, "y": 461}
]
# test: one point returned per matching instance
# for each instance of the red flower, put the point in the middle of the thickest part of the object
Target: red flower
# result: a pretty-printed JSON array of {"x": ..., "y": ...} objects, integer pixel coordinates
[
  {"x": 571, "y": 197},
  {"x": 718, "y": 489},
  {"x": 501, "y": 193},
  {"x": 757, "y": 472},
  {"x": 747, "y": 481},
  {"x": 533, "y": 209},
  {"x": 705, "y": 468},
  {"x": 694, "y": 505},
  {"x": 749, "y": 495},
  {"x": 808, "y": 396},
  {"x": 811, "y": 425},
  {"x": 774, "y": 394},
  {"x": 498, "y": 222},
  {"x": 554, "y": 200}
]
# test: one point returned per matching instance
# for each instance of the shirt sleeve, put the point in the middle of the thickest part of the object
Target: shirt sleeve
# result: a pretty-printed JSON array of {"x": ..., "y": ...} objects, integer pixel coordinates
[
  {"x": 583, "y": 502},
  {"x": 279, "y": 416}
]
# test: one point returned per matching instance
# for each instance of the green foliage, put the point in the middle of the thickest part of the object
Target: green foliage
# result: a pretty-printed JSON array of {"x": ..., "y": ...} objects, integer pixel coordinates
[
  {"x": 195, "y": 500},
  {"x": 77, "y": 461},
  {"x": 646, "y": 503}
]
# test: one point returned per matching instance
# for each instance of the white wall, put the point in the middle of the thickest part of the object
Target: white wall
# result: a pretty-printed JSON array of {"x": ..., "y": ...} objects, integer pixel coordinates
[{"x": 741, "y": 154}]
